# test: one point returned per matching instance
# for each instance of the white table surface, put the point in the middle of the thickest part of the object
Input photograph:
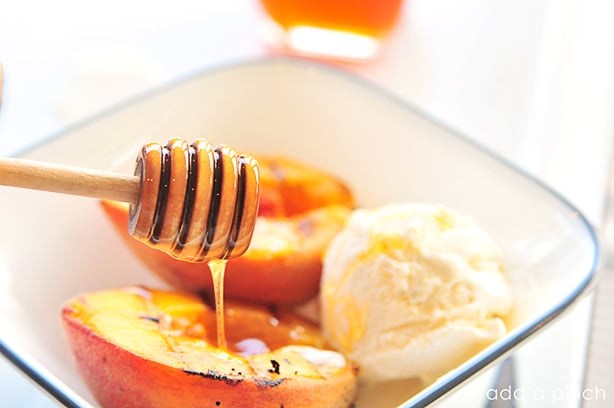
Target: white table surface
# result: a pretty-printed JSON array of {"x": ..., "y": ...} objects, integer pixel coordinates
[{"x": 532, "y": 80}]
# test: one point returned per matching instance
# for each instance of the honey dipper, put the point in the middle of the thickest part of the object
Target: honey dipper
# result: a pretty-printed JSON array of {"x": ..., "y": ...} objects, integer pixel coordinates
[{"x": 194, "y": 201}]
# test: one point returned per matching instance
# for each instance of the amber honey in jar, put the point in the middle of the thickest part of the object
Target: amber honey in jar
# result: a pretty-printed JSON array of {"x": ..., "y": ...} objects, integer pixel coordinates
[{"x": 347, "y": 29}]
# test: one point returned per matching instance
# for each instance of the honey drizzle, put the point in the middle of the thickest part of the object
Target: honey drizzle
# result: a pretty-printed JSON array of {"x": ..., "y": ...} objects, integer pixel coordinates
[{"x": 218, "y": 268}]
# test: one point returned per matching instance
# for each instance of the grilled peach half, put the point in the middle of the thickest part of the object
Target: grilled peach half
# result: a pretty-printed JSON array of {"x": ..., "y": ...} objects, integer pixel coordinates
[
  {"x": 301, "y": 210},
  {"x": 289, "y": 188},
  {"x": 137, "y": 347}
]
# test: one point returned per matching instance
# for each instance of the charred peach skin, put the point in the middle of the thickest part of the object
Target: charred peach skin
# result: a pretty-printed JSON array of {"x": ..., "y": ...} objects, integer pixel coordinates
[
  {"x": 144, "y": 348},
  {"x": 300, "y": 211},
  {"x": 282, "y": 265}
]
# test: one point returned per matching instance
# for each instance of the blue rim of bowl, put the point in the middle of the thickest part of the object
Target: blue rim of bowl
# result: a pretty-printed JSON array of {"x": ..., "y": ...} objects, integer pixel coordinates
[
  {"x": 469, "y": 369},
  {"x": 49, "y": 386}
]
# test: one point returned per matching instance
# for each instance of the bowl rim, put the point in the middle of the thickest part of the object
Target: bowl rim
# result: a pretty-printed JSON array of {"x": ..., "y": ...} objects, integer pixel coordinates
[{"x": 488, "y": 357}]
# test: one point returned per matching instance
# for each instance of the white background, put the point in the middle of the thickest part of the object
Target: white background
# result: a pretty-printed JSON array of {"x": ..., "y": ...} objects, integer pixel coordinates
[{"x": 530, "y": 79}]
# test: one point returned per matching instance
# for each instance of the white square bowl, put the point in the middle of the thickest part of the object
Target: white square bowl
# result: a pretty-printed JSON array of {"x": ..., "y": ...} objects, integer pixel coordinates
[{"x": 54, "y": 247}]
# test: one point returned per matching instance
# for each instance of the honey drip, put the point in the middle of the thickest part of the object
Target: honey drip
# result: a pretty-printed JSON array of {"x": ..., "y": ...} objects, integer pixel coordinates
[{"x": 218, "y": 268}]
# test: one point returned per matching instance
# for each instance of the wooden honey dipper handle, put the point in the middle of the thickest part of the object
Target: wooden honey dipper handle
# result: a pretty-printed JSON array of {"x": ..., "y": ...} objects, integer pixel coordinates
[
  {"x": 68, "y": 180},
  {"x": 193, "y": 201}
]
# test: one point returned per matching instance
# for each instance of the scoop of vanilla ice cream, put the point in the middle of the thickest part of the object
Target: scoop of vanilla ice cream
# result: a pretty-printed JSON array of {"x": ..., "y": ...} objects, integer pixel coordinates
[{"x": 412, "y": 290}]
